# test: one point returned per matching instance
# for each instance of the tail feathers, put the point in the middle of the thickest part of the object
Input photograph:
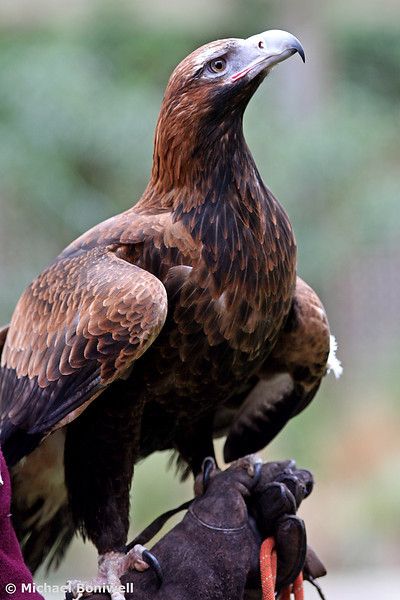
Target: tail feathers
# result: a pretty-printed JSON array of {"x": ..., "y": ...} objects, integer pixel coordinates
[{"x": 44, "y": 544}]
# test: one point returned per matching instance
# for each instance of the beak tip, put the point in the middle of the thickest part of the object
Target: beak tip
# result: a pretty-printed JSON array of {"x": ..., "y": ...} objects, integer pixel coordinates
[{"x": 300, "y": 50}]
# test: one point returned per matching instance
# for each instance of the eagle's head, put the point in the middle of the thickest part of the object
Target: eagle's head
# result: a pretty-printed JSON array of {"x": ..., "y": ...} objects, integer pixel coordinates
[
  {"x": 208, "y": 92},
  {"x": 227, "y": 72}
]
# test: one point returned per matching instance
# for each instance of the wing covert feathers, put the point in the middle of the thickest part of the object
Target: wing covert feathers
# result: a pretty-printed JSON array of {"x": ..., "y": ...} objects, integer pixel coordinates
[{"x": 78, "y": 327}]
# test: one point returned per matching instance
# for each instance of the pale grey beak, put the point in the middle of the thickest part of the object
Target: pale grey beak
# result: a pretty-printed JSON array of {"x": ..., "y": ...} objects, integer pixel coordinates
[
  {"x": 276, "y": 46},
  {"x": 259, "y": 53}
]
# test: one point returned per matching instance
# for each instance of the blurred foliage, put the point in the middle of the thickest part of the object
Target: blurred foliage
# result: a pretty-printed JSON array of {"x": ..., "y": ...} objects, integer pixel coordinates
[
  {"x": 371, "y": 59},
  {"x": 78, "y": 107}
]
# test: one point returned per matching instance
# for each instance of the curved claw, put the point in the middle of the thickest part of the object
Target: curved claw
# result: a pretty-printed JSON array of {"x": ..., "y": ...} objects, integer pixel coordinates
[
  {"x": 154, "y": 564},
  {"x": 257, "y": 473},
  {"x": 208, "y": 466}
]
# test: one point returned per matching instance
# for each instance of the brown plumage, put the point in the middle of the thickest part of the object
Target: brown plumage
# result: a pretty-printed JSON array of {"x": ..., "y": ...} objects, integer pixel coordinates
[
  {"x": 151, "y": 330},
  {"x": 286, "y": 382}
]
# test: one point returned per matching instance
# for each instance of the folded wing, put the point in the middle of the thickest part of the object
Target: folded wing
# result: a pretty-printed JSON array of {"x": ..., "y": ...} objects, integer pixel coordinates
[
  {"x": 288, "y": 380},
  {"x": 79, "y": 326}
]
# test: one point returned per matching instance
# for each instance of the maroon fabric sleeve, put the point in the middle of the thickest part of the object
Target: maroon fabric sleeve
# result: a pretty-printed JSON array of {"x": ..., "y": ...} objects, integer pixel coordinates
[{"x": 13, "y": 571}]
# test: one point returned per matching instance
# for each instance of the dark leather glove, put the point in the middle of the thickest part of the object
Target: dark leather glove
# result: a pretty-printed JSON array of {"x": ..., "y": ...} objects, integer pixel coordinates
[{"x": 274, "y": 502}]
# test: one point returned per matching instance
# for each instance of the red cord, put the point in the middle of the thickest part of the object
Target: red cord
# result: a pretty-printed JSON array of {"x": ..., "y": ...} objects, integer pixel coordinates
[{"x": 268, "y": 567}]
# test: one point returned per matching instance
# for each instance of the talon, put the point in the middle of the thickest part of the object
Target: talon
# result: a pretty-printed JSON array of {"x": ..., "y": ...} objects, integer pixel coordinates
[
  {"x": 112, "y": 565},
  {"x": 254, "y": 461},
  {"x": 208, "y": 466},
  {"x": 249, "y": 462},
  {"x": 257, "y": 473},
  {"x": 137, "y": 554},
  {"x": 152, "y": 561}
]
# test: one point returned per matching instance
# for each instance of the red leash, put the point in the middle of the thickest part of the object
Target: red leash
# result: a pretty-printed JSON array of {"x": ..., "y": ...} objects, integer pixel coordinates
[{"x": 268, "y": 567}]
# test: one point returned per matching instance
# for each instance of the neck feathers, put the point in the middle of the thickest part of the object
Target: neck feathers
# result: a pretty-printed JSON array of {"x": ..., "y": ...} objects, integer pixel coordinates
[{"x": 210, "y": 184}]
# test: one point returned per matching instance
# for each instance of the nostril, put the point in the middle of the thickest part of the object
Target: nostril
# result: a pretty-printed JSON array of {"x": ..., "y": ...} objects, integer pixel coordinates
[{"x": 261, "y": 44}]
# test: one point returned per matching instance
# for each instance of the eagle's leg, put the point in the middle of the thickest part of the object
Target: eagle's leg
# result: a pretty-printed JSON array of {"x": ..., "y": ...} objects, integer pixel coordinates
[
  {"x": 112, "y": 565},
  {"x": 194, "y": 442},
  {"x": 100, "y": 451}
]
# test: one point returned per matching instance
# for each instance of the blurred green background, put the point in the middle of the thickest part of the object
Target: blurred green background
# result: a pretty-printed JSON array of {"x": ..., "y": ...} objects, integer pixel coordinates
[{"x": 80, "y": 89}]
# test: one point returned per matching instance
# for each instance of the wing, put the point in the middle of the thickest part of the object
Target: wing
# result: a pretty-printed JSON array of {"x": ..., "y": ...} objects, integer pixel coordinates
[
  {"x": 288, "y": 380},
  {"x": 78, "y": 327}
]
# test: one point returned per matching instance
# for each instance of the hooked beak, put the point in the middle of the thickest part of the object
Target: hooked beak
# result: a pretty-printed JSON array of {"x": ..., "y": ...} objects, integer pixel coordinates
[{"x": 272, "y": 47}]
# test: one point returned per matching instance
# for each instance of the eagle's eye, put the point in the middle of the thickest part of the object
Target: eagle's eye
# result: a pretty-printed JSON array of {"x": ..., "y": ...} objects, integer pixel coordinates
[{"x": 217, "y": 65}]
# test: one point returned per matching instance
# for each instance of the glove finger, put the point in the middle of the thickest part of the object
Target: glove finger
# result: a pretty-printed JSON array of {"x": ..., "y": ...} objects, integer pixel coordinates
[
  {"x": 291, "y": 547},
  {"x": 275, "y": 501},
  {"x": 313, "y": 566},
  {"x": 299, "y": 482},
  {"x": 307, "y": 479},
  {"x": 271, "y": 470}
]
